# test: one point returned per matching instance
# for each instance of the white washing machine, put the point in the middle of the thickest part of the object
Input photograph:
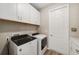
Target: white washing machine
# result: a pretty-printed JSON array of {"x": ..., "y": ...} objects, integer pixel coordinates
[
  {"x": 23, "y": 45},
  {"x": 41, "y": 43}
]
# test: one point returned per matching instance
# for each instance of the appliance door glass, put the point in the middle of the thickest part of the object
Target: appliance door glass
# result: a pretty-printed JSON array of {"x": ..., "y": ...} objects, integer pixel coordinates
[{"x": 43, "y": 43}]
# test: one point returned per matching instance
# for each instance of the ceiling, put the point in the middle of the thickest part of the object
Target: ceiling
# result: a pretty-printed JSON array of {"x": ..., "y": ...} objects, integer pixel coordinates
[{"x": 40, "y": 5}]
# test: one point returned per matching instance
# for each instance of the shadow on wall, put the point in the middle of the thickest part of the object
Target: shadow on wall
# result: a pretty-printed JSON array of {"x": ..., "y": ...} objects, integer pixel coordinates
[{"x": 5, "y": 50}]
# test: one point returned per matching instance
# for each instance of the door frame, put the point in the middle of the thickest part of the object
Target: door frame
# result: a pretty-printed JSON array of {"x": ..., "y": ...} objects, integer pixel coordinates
[{"x": 56, "y": 8}]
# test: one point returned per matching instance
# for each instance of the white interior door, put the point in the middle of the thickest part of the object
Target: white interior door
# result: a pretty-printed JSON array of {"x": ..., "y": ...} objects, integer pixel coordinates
[{"x": 59, "y": 30}]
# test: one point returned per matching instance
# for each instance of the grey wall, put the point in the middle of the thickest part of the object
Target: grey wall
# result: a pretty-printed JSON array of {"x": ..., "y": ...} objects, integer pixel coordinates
[
  {"x": 8, "y": 26},
  {"x": 74, "y": 19}
]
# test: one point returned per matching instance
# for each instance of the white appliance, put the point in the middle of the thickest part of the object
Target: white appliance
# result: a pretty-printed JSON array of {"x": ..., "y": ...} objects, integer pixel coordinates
[
  {"x": 23, "y": 45},
  {"x": 74, "y": 46},
  {"x": 41, "y": 43}
]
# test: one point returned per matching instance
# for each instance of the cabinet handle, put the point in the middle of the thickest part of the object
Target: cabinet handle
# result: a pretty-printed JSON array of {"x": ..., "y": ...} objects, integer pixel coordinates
[{"x": 20, "y": 18}]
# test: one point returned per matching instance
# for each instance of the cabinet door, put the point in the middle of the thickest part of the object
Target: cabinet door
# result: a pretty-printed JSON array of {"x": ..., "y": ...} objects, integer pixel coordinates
[
  {"x": 35, "y": 16},
  {"x": 23, "y": 11},
  {"x": 38, "y": 17},
  {"x": 8, "y": 11}
]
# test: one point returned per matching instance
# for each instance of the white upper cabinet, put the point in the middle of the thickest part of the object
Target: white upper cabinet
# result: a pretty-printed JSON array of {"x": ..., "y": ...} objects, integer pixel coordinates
[
  {"x": 8, "y": 11},
  {"x": 23, "y": 12},
  {"x": 27, "y": 13},
  {"x": 35, "y": 16}
]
